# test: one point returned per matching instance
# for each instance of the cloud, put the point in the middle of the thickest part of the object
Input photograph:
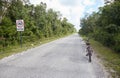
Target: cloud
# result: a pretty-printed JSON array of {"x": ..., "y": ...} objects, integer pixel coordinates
[
  {"x": 68, "y": 2},
  {"x": 73, "y": 10},
  {"x": 88, "y": 2}
]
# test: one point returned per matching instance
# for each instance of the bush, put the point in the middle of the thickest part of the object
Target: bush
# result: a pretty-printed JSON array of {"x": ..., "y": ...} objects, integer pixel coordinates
[{"x": 116, "y": 47}]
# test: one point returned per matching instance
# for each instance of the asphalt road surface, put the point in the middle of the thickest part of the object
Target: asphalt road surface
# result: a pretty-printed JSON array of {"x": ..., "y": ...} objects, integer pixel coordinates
[{"x": 62, "y": 58}]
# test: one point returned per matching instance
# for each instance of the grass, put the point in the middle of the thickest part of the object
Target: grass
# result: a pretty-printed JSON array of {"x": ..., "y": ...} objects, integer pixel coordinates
[
  {"x": 5, "y": 52},
  {"x": 109, "y": 58}
]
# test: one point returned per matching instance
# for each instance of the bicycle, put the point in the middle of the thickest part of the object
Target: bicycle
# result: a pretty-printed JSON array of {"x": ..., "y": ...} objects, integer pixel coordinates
[{"x": 89, "y": 50}]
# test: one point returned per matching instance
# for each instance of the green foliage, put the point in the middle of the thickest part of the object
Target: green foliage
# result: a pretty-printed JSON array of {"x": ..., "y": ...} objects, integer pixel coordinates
[
  {"x": 40, "y": 23},
  {"x": 117, "y": 41},
  {"x": 104, "y": 26},
  {"x": 110, "y": 59},
  {"x": 6, "y": 21}
]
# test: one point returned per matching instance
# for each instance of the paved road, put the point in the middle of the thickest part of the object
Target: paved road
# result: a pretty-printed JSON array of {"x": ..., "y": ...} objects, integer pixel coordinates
[{"x": 63, "y": 58}]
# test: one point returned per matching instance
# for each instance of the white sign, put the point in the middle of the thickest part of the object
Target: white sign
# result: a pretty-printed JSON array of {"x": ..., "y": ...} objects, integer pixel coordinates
[{"x": 20, "y": 25}]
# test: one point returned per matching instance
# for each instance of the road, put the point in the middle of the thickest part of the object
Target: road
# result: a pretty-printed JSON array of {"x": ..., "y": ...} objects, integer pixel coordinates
[{"x": 62, "y": 58}]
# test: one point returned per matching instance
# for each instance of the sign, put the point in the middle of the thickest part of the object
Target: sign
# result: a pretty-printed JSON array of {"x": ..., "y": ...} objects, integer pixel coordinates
[{"x": 20, "y": 25}]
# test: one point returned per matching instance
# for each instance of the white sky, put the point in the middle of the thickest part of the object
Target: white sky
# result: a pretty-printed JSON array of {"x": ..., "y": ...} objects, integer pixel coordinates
[{"x": 73, "y": 10}]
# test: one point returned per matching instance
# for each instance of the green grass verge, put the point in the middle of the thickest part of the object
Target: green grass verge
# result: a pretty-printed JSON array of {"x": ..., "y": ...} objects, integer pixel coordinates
[
  {"x": 4, "y": 52},
  {"x": 109, "y": 58}
]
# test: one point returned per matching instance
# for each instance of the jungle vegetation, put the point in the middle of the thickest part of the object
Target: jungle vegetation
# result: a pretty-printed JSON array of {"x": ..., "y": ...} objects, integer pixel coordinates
[
  {"x": 104, "y": 25},
  {"x": 40, "y": 22}
]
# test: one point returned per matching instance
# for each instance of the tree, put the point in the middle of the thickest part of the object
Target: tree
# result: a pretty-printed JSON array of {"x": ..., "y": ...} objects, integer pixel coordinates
[
  {"x": 39, "y": 22},
  {"x": 4, "y": 4},
  {"x": 104, "y": 26}
]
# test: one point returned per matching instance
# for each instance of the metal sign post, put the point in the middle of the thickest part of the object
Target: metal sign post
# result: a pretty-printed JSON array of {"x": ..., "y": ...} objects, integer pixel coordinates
[
  {"x": 20, "y": 27},
  {"x": 21, "y": 38}
]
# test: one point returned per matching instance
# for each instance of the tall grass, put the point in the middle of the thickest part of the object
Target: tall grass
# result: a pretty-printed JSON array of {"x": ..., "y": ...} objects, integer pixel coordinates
[{"x": 110, "y": 59}]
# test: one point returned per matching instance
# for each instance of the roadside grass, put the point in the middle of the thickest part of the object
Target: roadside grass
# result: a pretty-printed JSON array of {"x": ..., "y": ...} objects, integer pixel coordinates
[
  {"x": 109, "y": 58},
  {"x": 10, "y": 50}
]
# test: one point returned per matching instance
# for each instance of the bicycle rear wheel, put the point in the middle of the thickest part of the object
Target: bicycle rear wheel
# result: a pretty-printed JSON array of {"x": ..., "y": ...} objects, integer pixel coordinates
[{"x": 90, "y": 58}]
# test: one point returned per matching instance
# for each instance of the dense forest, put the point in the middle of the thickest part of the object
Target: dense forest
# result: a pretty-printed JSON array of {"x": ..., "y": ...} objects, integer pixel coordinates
[
  {"x": 40, "y": 22},
  {"x": 104, "y": 25}
]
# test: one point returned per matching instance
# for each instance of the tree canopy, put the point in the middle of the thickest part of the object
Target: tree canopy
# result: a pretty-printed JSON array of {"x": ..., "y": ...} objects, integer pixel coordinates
[
  {"x": 104, "y": 25},
  {"x": 39, "y": 22}
]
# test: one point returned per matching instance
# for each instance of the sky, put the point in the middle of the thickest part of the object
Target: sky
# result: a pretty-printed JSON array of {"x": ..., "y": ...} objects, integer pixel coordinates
[{"x": 73, "y": 10}]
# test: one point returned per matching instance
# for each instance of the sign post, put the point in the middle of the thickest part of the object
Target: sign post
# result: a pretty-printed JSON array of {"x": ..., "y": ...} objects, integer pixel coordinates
[
  {"x": 21, "y": 38},
  {"x": 20, "y": 27}
]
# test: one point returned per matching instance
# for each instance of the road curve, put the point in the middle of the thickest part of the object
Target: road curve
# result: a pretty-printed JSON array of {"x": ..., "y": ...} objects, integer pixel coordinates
[{"x": 62, "y": 58}]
